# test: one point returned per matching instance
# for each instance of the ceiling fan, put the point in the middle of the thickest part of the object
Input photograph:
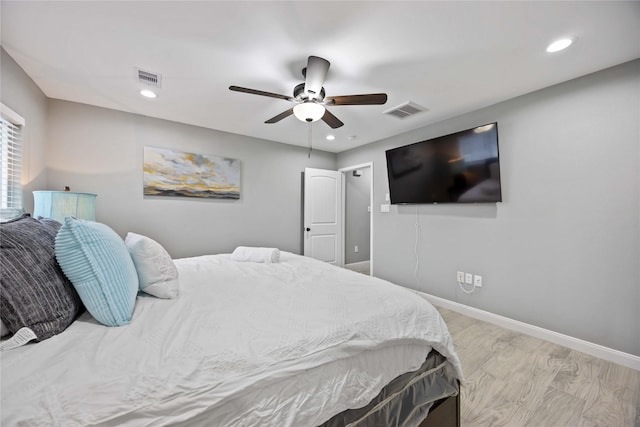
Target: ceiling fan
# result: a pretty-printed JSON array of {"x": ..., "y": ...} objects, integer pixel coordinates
[{"x": 310, "y": 98}]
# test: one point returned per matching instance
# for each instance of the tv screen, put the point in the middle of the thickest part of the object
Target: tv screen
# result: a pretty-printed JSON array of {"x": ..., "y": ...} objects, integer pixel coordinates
[{"x": 463, "y": 167}]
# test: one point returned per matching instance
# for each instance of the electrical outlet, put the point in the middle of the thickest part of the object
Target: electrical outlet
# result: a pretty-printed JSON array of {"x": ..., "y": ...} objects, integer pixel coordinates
[
  {"x": 468, "y": 278},
  {"x": 355, "y": 248},
  {"x": 384, "y": 208},
  {"x": 477, "y": 281},
  {"x": 460, "y": 277}
]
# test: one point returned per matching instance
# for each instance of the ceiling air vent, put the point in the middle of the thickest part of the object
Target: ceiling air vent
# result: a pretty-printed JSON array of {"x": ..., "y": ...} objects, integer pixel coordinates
[
  {"x": 149, "y": 78},
  {"x": 405, "y": 110}
]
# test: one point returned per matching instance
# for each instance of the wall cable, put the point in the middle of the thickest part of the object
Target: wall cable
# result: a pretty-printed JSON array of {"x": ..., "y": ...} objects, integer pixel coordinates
[
  {"x": 460, "y": 284},
  {"x": 416, "y": 250}
]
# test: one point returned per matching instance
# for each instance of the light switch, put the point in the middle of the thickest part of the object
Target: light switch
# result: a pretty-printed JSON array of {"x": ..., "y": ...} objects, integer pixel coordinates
[{"x": 384, "y": 208}]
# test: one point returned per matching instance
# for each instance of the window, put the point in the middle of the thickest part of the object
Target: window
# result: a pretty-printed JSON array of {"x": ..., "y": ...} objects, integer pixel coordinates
[{"x": 10, "y": 163}]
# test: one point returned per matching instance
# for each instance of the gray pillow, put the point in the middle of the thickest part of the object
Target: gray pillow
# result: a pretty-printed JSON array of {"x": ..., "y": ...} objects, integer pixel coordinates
[{"x": 34, "y": 291}]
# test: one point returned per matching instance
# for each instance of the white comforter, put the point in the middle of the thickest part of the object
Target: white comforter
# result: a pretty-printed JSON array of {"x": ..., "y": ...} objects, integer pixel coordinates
[{"x": 291, "y": 343}]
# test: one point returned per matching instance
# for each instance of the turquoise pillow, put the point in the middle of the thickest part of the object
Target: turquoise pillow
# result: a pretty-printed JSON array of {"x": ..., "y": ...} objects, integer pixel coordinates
[{"x": 97, "y": 262}]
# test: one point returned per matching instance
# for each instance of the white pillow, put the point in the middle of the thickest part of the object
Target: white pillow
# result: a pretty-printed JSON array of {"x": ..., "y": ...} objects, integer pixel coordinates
[{"x": 157, "y": 273}]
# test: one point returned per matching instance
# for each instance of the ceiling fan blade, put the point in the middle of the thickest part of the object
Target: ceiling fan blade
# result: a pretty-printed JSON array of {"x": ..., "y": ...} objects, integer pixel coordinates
[
  {"x": 315, "y": 74},
  {"x": 368, "y": 99},
  {"x": 280, "y": 116},
  {"x": 260, "y": 92},
  {"x": 331, "y": 120}
]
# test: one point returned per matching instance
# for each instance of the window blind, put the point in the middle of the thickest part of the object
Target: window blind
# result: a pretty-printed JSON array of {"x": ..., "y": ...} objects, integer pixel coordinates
[{"x": 10, "y": 167}]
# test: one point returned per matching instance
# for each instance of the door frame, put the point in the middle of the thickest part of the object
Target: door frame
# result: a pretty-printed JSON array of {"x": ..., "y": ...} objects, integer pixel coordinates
[{"x": 344, "y": 171}]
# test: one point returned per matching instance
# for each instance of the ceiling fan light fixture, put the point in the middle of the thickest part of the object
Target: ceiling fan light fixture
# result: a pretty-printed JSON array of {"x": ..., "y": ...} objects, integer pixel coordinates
[{"x": 308, "y": 111}]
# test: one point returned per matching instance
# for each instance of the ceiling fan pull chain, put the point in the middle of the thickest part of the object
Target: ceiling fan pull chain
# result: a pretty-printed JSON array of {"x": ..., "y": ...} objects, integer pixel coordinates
[{"x": 310, "y": 145}]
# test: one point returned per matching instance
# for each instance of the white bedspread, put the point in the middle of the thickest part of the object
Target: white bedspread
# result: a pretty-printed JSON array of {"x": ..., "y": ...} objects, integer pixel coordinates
[{"x": 247, "y": 344}]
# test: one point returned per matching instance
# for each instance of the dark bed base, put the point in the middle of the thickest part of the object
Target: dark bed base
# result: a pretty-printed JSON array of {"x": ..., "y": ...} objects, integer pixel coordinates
[
  {"x": 444, "y": 413},
  {"x": 407, "y": 398}
]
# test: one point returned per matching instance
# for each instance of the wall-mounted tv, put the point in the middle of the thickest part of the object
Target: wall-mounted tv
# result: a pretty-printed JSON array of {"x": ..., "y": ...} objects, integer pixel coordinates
[{"x": 463, "y": 167}]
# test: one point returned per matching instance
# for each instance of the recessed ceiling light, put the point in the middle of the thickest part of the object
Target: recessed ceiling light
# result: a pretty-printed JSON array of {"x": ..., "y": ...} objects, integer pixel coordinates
[
  {"x": 559, "y": 45},
  {"x": 148, "y": 93},
  {"x": 330, "y": 137}
]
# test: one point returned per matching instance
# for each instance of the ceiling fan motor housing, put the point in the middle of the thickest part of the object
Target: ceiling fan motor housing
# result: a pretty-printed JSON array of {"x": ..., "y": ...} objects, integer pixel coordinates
[{"x": 299, "y": 93}]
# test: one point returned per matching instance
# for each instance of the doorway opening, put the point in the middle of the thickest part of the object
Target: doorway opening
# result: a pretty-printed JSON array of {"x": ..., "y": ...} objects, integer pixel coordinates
[{"x": 357, "y": 224}]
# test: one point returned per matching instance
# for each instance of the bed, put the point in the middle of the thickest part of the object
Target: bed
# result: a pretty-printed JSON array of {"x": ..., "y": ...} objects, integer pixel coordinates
[{"x": 291, "y": 343}]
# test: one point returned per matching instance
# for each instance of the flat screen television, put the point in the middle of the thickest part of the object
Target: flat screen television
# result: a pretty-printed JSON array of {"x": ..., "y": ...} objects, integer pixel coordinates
[{"x": 463, "y": 167}]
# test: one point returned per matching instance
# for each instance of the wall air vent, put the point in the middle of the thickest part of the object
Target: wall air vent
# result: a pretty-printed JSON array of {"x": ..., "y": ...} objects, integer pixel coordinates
[
  {"x": 405, "y": 110},
  {"x": 149, "y": 78}
]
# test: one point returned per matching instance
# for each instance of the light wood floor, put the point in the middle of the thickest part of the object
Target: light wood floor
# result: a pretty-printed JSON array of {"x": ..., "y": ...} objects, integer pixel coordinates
[
  {"x": 363, "y": 267},
  {"x": 513, "y": 380}
]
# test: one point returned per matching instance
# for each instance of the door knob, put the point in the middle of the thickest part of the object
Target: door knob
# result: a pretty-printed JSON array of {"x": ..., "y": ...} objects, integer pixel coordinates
[{"x": 308, "y": 229}]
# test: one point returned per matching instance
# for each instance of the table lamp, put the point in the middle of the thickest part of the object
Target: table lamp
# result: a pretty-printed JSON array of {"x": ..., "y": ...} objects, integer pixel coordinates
[{"x": 60, "y": 204}]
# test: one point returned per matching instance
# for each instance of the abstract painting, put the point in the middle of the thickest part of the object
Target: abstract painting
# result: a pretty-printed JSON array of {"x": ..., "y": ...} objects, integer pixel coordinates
[{"x": 177, "y": 173}]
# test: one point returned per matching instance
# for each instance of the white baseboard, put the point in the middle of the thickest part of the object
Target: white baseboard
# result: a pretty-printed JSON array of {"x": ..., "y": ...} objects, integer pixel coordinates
[{"x": 596, "y": 350}]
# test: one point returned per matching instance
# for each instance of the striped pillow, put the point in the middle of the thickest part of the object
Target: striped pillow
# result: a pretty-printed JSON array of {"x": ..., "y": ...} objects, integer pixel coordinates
[
  {"x": 98, "y": 264},
  {"x": 34, "y": 293}
]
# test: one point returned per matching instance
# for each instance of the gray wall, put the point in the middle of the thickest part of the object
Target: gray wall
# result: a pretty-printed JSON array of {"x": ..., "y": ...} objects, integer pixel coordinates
[
  {"x": 357, "y": 223},
  {"x": 563, "y": 249},
  {"x": 101, "y": 151},
  {"x": 20, "y": 93}
]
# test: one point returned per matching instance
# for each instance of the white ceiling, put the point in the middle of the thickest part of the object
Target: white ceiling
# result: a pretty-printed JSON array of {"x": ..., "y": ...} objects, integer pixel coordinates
[{"x": 450, "y": 57}]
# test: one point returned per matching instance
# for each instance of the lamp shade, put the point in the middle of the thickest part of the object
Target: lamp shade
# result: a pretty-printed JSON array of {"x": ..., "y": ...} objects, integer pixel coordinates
[
  {"x": 308, "y": 111},
  {"x": 59, "y": 204}
]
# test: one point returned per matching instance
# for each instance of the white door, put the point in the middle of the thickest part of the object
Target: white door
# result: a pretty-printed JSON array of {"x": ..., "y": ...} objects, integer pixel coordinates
[{"x": 323, "y": 215}]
